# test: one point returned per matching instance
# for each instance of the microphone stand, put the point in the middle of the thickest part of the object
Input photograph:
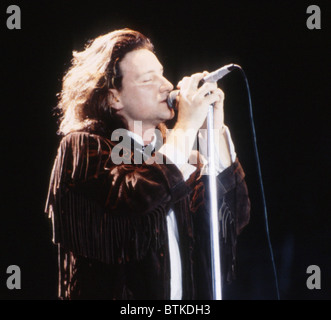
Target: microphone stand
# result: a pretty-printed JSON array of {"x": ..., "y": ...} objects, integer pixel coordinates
[{"x": 214, "y": 222}]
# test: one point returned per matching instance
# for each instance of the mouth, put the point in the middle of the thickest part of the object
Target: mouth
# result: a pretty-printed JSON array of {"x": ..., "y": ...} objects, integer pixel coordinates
[{"x": 164, "y": 101}]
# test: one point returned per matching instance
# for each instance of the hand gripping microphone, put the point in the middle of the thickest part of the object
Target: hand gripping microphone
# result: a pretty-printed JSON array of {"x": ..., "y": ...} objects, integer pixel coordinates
[{"x": 211, "y": 77}]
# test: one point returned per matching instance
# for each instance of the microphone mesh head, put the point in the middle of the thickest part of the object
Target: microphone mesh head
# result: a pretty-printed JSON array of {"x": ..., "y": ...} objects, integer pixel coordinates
[{"x": 172, "y": 98}]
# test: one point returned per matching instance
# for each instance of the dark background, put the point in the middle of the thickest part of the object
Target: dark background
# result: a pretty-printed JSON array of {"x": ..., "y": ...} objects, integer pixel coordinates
[{"x": 287, "y": 66}]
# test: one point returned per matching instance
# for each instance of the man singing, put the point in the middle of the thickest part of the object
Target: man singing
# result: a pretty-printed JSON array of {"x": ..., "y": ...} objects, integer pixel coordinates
[{"x": 130, "y": 229}]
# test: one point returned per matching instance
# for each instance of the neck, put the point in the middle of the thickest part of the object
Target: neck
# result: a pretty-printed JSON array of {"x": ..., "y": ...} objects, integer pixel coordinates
[{"x": 146, "y": 132}]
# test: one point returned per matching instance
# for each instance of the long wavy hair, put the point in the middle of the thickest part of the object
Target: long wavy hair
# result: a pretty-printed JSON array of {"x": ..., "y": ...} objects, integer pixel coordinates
[{"x": 84, "y": 98}]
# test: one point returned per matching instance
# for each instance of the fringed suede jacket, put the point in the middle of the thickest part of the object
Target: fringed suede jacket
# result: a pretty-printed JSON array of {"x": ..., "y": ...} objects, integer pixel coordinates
[{"x": 109, "y": 221}]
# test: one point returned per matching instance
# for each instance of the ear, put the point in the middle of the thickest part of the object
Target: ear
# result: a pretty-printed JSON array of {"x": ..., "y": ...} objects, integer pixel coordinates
[{"x": 114, "y": 99}]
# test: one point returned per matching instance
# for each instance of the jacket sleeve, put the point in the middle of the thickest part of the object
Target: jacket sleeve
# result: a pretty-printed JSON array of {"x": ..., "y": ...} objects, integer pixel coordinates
[
  {"x": 233, "y": 196},
  {"x": 109, "y": 212},
  {"x": 234, "y": 214}
]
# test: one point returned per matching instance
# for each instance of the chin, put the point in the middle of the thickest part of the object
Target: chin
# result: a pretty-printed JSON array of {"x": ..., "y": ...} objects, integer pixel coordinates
[{"x": 166, "y": 114}]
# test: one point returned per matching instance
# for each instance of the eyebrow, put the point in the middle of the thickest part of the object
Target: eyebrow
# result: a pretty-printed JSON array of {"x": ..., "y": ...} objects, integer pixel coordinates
[{"x": 152, "y": 71}]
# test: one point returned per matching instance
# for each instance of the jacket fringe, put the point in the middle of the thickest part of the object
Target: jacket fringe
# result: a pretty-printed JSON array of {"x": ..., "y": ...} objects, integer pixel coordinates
[
  {"x": 228, "y": 242},
  {"x": 83, "y": 228},
  {"x": 82, "y": 225}
]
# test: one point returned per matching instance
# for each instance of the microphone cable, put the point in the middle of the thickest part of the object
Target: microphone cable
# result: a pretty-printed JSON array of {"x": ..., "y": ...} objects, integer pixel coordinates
[{"x": 260, "y": 177}]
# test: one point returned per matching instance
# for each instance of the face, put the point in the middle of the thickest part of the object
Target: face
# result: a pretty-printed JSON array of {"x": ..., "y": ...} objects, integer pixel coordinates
[{"x": 144, "y": 90}]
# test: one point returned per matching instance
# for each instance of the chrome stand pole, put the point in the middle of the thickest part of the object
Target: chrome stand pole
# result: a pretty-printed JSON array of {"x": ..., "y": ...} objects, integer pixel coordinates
[{"x": 214, "y": 221}]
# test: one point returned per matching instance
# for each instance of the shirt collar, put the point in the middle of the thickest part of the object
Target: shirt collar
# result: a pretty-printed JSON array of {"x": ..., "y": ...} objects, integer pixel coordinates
[{"x": 139, "y": 139}]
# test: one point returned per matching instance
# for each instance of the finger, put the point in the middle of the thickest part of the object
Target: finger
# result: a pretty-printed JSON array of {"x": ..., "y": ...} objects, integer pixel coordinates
[
  {"x": 213, "y": 98},
  {"x": 220, "y": 92},
  {"x": 207, "y": 88},
  {"x": 182, "y": 82},
  {"x": 195, "y": 79},
  {"x": 219, "y": 105},
  {"x": 205, "y": 73}
]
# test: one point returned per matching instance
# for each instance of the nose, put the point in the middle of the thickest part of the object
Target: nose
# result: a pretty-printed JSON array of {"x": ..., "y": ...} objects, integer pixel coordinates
[{"x": 166, "y": 85}]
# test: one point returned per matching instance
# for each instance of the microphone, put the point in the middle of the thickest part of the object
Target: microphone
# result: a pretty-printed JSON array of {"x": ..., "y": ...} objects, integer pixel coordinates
[{"x": 211, "y": 77}]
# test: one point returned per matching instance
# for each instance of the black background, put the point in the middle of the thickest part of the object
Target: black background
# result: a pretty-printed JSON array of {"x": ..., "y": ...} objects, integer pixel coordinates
[{"x": 287, "y": 66}]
